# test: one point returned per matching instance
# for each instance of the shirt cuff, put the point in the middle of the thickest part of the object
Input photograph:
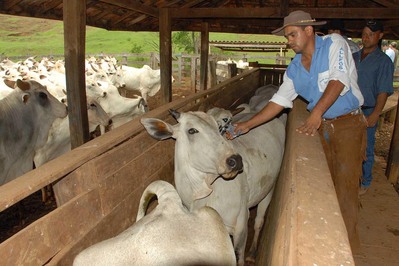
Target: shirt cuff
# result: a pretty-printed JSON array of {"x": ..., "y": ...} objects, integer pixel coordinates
[{"x": 281, "y": 101}]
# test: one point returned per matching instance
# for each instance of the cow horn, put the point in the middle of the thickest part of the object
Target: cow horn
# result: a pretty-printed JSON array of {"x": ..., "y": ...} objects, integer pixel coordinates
[
  {"x": 237, "y": 110},
  {"x": 174, "y": 113},
  {"x": 96, "y": 70}
]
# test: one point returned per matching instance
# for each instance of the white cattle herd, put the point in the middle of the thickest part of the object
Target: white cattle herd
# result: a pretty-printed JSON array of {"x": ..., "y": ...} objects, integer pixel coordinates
[
  {"x": 106, "y": 107},
  {"x": 201, "y": 222}
]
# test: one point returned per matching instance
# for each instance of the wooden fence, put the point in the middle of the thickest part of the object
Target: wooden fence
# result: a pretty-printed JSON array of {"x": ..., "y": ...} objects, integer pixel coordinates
[{"x": 185, "y": 67}]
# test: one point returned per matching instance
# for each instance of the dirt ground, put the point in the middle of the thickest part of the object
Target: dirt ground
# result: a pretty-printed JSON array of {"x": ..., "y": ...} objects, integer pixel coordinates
[{"x": 379, "y": 213}]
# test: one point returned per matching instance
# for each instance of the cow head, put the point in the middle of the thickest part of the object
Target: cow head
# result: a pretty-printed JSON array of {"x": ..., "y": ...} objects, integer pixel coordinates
[{"x": 201, "y": 153}]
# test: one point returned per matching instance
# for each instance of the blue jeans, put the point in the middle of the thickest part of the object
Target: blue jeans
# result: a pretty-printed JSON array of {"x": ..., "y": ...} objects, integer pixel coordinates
[{"x": 367, "y": 166}]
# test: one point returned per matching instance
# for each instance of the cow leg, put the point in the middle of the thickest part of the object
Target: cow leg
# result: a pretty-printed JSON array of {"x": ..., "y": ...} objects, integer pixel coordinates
[
  {"x": 240, "y": 235},
  {"x": 259, "y": 220}
]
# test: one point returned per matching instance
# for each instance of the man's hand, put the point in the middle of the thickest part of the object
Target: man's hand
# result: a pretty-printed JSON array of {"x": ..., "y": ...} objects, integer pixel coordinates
[
  {"x": 372, "y": 119},
  {"x": 239, "y": 129},
  {"x": 311, "y": 125}
]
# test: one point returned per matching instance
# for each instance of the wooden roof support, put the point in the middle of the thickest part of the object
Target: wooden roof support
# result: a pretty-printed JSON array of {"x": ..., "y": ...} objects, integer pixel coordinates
[
  {"x": 74, "y": 50},
  {"x": 204, "y": 56},
  {"x": 133, "y": 5},
  {"x": 274, "y": 12},
  {"x": 165, "y": 51}
]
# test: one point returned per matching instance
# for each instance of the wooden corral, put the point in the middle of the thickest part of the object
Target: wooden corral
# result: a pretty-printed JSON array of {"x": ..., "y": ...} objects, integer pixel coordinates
[{"x": 98, "y": 186}]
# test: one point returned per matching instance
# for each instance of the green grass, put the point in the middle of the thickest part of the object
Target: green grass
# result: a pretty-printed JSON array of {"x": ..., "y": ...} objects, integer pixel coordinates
[{"x": 21, "y": 36}]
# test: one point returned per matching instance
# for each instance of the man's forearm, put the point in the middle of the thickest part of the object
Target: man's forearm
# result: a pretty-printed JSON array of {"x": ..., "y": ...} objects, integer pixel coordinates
[
  {"x": 330, "y": 95},
  {"x": 267, "y": 113},
  {"x": 380, "y": 103}
]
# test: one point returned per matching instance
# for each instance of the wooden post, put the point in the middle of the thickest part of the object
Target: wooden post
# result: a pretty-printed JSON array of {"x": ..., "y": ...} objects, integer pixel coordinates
[
  {"x": 193, "y": 73},
  {"x": 180, "y": 63},
  {"x": 212, "y": 73},
  {"x": 165, "y": 50},
  {"x": 74, "y": 12},
  {"x": 231, "y": 70},
  {"x": 204, "y": 56},
  {"x": 392, "y": 171}
]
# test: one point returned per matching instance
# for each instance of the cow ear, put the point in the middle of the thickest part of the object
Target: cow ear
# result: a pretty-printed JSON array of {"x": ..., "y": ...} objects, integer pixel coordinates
[
  {"x": 23, "y": 85},
  {"x": 157, "y": 128},
  {"x": 25, "y": 97},
  {"x": 10, "y": 83}
]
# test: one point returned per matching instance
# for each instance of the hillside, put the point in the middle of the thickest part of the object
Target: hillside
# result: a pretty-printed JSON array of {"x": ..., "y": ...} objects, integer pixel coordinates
[{"x": 23, "y": 36}]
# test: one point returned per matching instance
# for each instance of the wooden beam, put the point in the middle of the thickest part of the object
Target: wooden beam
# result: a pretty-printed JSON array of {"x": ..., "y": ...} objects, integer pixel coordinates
[
  {"x": 225, "y": 12},
  {"x": 386, "y": 3},
  {"x": 9, "y": 4},
  {"x": 204, "y": 56},
  {"x": 274, "y": 12},
  {"x": 74, "y": 50},
  {"x": 134, "y": 6},
  {"x": 353, "y": 13},
  {"x": 284, "y": 4},
  {"x": 165, "y": 50}
]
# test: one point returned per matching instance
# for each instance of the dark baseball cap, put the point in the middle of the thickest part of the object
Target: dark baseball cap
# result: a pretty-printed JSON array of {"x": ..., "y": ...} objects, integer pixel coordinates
[{"x": 374, "y": 25}]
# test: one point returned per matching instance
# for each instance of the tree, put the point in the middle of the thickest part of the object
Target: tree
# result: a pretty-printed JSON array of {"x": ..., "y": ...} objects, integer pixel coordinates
[{"x": 186, "y": 41}]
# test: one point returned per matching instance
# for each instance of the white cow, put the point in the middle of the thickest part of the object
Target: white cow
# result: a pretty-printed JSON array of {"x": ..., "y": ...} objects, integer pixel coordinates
[
  {"x": 202, "y": 159},
  {"x": 169, "y": 235},
  {"x": 26, "y": 115},
  {"x": 145, "y": 79},
  {"x": 6, "y": 87},
  {"x": 262, "y": 96},
  {"x": 59, "y": 140},
  {"x": 121, "y": 109}
]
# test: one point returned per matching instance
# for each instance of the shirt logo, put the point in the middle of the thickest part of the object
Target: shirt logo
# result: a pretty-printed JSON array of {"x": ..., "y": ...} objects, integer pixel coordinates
[{"x": 341, "y": 59}]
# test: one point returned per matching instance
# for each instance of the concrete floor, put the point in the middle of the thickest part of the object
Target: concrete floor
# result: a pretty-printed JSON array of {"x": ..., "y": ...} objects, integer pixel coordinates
[{"x": 379, "y": 222}]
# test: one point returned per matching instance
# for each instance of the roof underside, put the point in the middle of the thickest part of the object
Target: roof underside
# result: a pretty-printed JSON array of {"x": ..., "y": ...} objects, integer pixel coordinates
[{"x": 230, "y": 16}]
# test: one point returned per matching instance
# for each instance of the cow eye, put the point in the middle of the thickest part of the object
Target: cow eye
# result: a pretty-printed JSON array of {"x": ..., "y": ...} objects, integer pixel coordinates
[
  {"x": 192, "y": 131},
  {"x": 42, "y": 95}
]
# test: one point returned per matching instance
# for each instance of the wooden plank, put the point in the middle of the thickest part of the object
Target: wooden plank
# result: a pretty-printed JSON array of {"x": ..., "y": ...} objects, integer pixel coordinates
[
  {"x": 77, "y": 182},
  {"x": 304, "y": 225},
  {"x": 134, "y": 6},
  {"x": 274, "y": 12},
  {"x": 43, "y": 239},
  {"x": 135, "y": 174},
  {"x": 74, "y": 13},
  {"x": 121, "y": 217},
  {"x": 113, "y": 163}
]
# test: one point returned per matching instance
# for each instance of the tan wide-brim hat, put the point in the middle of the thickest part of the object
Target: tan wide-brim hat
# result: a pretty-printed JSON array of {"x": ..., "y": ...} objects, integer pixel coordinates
[{"x": 297, "y": 18}]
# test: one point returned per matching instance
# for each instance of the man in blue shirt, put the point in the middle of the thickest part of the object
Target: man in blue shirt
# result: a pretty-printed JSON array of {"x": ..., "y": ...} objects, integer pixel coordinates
[
  {"x": 324, "y": 74},
  {"x": 375, "y": 79}
]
